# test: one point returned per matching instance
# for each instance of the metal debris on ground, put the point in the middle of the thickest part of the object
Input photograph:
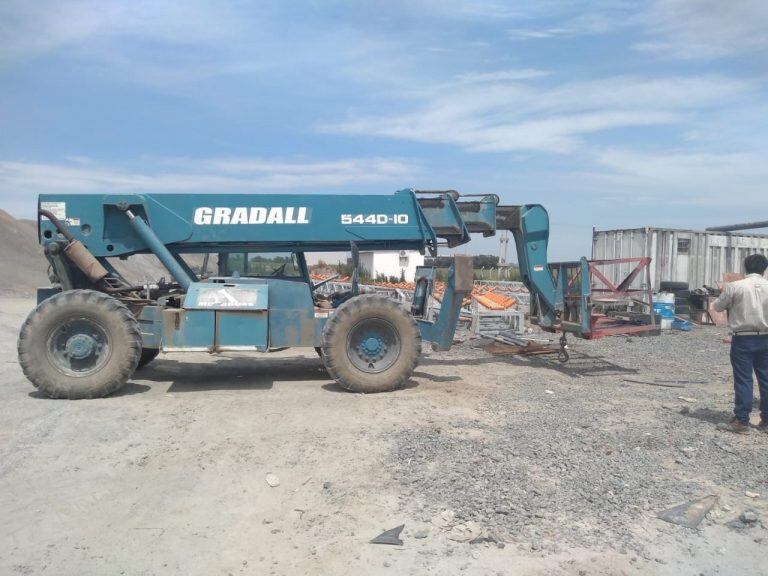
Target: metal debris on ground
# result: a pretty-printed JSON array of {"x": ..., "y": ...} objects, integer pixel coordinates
[
  {"x": 514, "y": 337},
  {"x": 724, "y": 447},
  {"x": 661, "y": 384},
  {"x": 689, "y": 514},
  {"x": 391, "y": 536},
  {"x": 531, "y": 349},
  {"x": 510, "y": 344}
]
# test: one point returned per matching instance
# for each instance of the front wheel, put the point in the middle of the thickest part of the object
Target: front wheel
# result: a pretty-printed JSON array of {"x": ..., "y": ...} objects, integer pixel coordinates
[
  {"x": 79, "y": 344},
  {"x": 371, "y": 344}
]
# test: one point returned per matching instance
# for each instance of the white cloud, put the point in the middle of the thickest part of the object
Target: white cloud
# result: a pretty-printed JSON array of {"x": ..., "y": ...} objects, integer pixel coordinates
[
  {"x": 684, "y": 29},
  {"x": 168, "y": 45},
  {"x": 31, "y": 28},
  {"x": 706, "y": 28},
  {"x": 463, "y": 9},
  {"x": 500, "y": 76},
  {"x": 574, "y": 19},
  {"x": 685, "y": 177},
  {"x": 494, "y": 112},
  {"x": 19, "y": 180}
]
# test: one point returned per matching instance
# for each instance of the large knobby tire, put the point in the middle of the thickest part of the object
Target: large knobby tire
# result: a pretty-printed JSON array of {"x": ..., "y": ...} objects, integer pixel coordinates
[
  {"x": 371, "y": 344},
  {"x": 79, "y": 344},
  {"x": 147, "y": 355}
]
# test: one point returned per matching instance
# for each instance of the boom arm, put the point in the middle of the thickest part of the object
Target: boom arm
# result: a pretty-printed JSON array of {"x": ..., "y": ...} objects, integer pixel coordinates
[
  {"x": 529, "y": 226},
  {"x": 170, "y": 224}
]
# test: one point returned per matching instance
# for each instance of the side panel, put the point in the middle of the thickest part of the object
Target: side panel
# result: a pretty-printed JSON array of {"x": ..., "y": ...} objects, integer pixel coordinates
[
  {"x": 293, "y": 321},
  {"x": 241, "y": 312},
  {"x": 241, "y": 330},
  {"x": 188, "y": 330}
]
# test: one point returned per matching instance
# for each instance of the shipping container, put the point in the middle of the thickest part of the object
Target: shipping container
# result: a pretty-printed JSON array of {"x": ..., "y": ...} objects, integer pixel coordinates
[{"x": 697, "y": 258}]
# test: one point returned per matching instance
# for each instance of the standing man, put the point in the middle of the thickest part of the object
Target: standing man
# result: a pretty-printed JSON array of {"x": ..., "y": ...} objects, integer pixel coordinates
[{"x": 747, "y": 304}]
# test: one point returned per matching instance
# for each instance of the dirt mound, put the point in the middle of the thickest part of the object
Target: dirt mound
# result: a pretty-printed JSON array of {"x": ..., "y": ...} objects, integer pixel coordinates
[{"x": 21, "y": 257}]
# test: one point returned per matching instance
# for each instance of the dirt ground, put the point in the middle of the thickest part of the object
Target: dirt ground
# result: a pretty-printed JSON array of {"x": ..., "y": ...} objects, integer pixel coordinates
[{"x": 562, "y": 470}]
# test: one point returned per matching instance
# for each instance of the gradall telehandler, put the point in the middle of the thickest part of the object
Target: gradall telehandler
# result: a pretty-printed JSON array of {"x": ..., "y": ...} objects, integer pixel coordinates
[{"x": 92, "y": 329}]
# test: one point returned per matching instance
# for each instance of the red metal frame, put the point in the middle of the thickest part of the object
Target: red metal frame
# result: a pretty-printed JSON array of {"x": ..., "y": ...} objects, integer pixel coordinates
[{"x": 602, "y": 325}]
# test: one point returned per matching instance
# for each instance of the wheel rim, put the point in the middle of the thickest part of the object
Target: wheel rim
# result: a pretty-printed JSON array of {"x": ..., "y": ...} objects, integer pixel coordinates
[
  {"x": 78, "y": 347},
  {"x": 373, "y": 345}
]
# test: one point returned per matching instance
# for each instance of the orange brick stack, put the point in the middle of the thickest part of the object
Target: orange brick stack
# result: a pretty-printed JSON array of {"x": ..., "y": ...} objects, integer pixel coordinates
[{"x": 494, "y": 301}]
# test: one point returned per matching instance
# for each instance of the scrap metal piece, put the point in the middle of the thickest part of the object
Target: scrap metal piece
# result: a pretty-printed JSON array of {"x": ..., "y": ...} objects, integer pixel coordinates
[
  {"x": 724, "y": 447},
  {"x": 689, "y": 514},
  {"x": 391, "y": 537},
  {"x": 511, "y": 349}
]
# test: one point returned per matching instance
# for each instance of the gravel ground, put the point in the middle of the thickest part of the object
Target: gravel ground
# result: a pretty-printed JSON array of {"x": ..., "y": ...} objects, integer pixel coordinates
[
  {"x": 574, "y": 455},
  {"x": 551, "y": 470}
]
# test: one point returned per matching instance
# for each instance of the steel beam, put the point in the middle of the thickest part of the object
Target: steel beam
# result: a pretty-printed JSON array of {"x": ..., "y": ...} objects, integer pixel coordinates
[{"x": 735, "y": 227}]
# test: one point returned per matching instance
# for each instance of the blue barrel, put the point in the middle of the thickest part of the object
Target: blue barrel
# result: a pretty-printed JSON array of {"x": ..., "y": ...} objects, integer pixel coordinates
[{"x": 664, "y": 309}]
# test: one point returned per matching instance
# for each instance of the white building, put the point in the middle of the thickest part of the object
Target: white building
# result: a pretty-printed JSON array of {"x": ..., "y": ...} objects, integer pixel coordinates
[
  {"x": 698, "y": 258},
  {"x": 391, "y": 263}
]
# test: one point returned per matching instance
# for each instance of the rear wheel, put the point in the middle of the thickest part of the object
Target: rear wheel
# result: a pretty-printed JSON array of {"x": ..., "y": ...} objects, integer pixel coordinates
[
  {"x": 79, "y": 344},
  {"x": 371, "y": 344}
]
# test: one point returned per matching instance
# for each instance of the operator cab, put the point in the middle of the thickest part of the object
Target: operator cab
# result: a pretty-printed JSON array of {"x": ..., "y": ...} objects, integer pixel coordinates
[{"x": 277, "y": 265}]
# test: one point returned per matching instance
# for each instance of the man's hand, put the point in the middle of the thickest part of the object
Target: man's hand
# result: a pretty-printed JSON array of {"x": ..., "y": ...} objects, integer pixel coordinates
[
  {"x": 719, "y": 318},
  {"x": 723, "y": 301}
]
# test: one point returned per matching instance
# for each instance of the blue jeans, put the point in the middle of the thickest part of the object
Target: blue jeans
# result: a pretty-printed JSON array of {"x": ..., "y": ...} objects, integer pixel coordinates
[{"x": 748, "y": 354}]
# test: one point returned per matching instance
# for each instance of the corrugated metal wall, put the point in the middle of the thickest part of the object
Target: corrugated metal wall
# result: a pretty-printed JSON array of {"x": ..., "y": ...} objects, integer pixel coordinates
[{"x": 698, "y": 258}]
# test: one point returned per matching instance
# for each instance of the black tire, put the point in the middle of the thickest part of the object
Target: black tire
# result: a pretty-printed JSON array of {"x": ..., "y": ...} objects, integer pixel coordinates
[
  {"x": 79, "y": 344},
  {"x": 147, "y": 355},
  {"x": 389, "y": 362},
  {"x": 672, "y": 286}
]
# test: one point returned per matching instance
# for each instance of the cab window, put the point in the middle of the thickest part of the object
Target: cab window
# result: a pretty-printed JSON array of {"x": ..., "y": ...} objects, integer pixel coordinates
[{"x": 262, "y": 265}]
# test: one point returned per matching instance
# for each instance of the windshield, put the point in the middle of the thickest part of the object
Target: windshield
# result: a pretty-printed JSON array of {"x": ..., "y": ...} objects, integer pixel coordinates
[{"x": 261, "y": 264}]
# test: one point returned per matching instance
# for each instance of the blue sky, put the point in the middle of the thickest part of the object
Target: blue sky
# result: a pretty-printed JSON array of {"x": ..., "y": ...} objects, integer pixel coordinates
[{"x": 612, "y": 114}]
